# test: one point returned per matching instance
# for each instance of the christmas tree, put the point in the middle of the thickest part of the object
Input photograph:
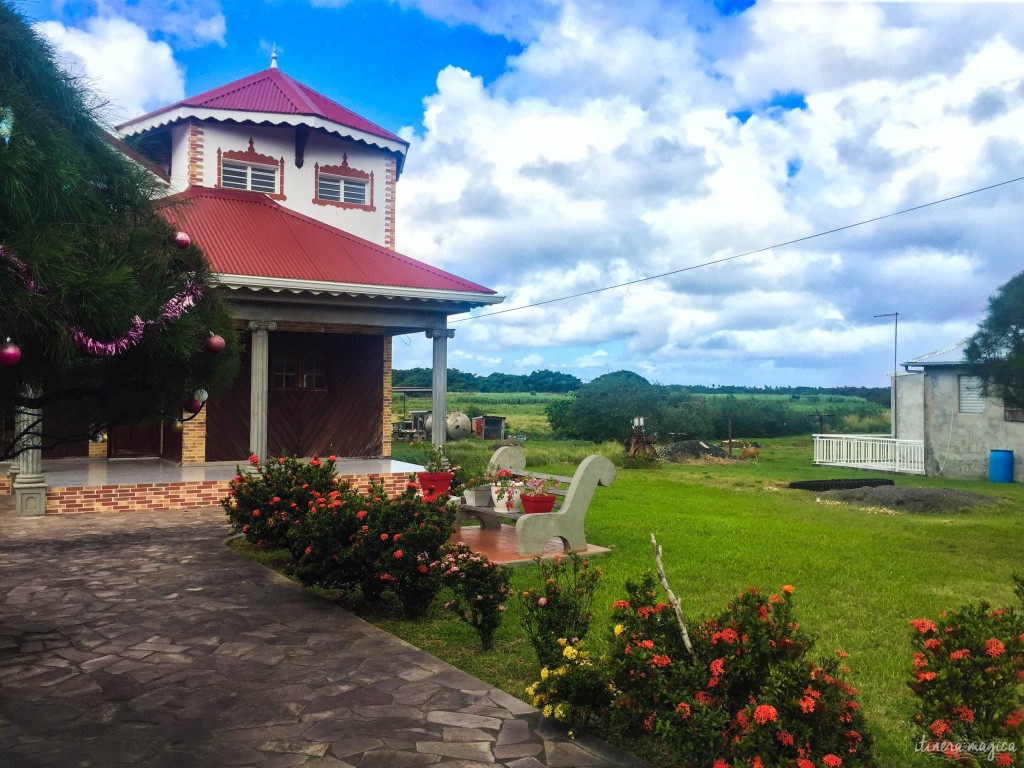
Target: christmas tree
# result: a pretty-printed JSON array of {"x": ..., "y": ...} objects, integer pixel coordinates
[{"x": 105, "y": 313}]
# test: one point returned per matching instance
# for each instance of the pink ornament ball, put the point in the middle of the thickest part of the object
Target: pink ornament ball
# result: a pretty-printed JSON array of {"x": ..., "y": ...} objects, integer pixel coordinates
[
  {"x": 193, "y": 406},
  {"x": 10, "y": 353},
  {"x": 182, "y": 240},
  {"x": 215, "y": 344}
]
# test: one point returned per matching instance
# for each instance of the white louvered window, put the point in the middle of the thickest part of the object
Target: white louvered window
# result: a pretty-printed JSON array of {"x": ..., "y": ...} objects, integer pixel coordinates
[
  {"x": 258, "y": 178},
  {"x": 970, "y": 394},
  {"x": 338, "y": 190}
]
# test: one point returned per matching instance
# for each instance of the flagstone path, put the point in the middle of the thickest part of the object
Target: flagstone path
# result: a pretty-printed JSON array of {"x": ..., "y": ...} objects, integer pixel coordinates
[{"x": 140, "y": 640}]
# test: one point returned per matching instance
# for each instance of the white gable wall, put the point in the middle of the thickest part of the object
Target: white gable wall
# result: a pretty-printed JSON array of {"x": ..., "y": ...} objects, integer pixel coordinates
[{"x": 194, "y": 160}]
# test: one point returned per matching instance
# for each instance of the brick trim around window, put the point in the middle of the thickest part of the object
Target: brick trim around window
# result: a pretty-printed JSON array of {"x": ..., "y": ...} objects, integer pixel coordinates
[
  {"x": 252, "y": 157},
  {"x": 344, "y": 171}
]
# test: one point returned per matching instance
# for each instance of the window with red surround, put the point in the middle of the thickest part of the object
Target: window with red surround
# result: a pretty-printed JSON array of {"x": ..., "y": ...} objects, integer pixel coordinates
[
  {"x": 251, "y": 171},
  {"x": 343, "y": 186}
]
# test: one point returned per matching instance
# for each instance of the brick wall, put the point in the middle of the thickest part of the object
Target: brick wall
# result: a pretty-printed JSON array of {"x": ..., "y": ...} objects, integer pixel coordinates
[
  {"x": 390, "y": 184},
  {"x": 5, "y": 485},
  {"x": 183, "y": 495},
  {"x": 386, "y": 419},
  {"x": 97, "y": 450},
  {"x": 193, "y": 439},
  {"x": 195, "y": 155}
]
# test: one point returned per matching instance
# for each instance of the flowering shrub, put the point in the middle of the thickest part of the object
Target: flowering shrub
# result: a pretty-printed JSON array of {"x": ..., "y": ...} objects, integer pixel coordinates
[
  {"x": 265, "y": 504},
  {"x": 375, "y": 543},
  {"x": 561, "y": 608},
  {"x": 479, "y": 588},
  {"x": 968, "y": 676},
  {"x": 576, "y": 691},
  {"x": 752, "y": 698}
]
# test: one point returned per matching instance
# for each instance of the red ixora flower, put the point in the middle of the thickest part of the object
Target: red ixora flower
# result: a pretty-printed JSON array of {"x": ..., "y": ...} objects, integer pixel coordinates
[
  {"x": 832, "y": 761},
  {"x": 1004, "y": 759},
  {"x": 994, "y": 647},
  {"x": 962, "y": 653},
  {"x": 939, "y": 727},
  {"x": 398, "y": 554},
  {"x": 308, "y": 550},
  {"x": 765, "y": 713},
  {"x": 923, "y": 625},
  {"x": 720, "y": 763},
  {"x": 787, "y": 588},
  {"x": 683, "y": 709},
  {"x": 254, "y": 460}
]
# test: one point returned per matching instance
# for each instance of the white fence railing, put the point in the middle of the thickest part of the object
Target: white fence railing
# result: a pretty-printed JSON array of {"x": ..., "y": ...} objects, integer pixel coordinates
[{"x": 879, "y": 452}]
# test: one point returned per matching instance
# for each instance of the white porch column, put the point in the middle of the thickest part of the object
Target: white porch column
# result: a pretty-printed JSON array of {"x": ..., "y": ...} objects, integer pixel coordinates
[
  {"x": 30, "y": 484},
  {"x": 439, "y": 384},
  {"x": 260, "y": 351}
]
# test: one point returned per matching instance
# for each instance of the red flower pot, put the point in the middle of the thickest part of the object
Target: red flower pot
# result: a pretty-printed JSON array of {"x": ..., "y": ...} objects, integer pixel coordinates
[
  {"x": 434, "y": 483},
  {"x": 541, "y": 502}
]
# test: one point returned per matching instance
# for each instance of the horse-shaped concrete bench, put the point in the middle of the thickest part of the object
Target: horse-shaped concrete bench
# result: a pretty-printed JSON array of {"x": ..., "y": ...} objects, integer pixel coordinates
[{"x": 566, "y": 522}]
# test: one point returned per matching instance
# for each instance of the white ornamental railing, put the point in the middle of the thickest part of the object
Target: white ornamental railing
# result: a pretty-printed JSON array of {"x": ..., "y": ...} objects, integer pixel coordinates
[{"x": 879, "y": 452}]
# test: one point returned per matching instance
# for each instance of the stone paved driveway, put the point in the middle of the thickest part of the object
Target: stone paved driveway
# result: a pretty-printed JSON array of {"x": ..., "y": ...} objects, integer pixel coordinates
[{"x": 139, "y": 640}]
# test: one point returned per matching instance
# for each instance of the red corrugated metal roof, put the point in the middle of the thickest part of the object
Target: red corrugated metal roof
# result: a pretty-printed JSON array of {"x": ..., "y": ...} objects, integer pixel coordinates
[
  {"x": 273, "y": 91},
  {"x": 246, "y": 233}
]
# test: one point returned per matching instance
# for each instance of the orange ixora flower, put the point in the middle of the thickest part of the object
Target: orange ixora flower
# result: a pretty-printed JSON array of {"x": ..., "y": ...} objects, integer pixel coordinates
[
  {"x": 787, "y": 588},
  {"x": 765, "y": 713},
  {"x": 923, "y": 625}
]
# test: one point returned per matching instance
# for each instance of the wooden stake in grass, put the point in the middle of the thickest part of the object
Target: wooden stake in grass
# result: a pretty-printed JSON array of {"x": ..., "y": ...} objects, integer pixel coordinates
[{"x": 672, "y": 599}]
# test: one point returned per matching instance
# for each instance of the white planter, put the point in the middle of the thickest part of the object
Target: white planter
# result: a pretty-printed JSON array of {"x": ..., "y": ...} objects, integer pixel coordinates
[
  {"x": 479, "y": 496},
  {"x": 509, "y": 501}
]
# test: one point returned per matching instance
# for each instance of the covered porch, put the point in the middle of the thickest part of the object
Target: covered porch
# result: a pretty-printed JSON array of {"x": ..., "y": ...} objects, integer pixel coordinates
[{"x": 881, "y": 453}]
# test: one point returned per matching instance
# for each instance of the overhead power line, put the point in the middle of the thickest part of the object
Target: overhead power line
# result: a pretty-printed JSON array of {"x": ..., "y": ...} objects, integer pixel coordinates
[{"x": 740, "y": 255}]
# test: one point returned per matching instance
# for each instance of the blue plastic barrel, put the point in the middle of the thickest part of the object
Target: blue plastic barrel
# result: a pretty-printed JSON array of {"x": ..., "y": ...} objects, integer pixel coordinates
[{"x": 1000, "y": 466}]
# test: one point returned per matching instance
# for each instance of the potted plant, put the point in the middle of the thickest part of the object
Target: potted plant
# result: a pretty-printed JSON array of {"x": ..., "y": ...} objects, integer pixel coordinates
[
  {"x": 505, "y": 488},
  {"x": 536, "y": 495},
  {"x": 471, "y": 484},
  {"x": 436, "y": 479}
]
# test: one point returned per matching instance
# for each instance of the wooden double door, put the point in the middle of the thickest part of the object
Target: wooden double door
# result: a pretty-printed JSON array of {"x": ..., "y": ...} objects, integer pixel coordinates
[{"x": 326, "y": 396}]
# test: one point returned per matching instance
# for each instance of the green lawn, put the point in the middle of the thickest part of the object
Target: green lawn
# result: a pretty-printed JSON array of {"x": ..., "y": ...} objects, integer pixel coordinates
[{"x": 859, "y": 577}]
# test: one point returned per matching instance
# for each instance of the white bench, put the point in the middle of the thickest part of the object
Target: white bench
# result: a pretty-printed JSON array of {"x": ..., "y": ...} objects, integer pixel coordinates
[{"x": 566, "y": 522}]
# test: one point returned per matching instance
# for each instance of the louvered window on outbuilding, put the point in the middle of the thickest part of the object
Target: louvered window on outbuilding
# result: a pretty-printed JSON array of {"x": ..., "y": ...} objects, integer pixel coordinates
[
  {"x": 258, "y": 178},
  {"x": 970, "y": 394}
]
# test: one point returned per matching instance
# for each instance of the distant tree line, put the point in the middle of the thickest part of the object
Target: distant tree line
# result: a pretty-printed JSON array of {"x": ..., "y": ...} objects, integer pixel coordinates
[
  {"x": 604, "y": 409},
  {"x": 460, "y": 381}
]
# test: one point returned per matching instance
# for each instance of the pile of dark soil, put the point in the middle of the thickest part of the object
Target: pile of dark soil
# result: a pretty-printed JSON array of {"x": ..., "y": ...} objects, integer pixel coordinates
[
  {"x": 913, "y": 500},
  {"x": 690, "y": 450}
]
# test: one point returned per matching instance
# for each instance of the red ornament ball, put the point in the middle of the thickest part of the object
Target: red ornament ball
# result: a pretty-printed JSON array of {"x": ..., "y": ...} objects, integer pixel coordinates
[
  {"x": 10, "y": 353},
  {"x": 182, "y": 240},
  {"x": 215, "y": 344},
  {"x": 193, "y": 406}
]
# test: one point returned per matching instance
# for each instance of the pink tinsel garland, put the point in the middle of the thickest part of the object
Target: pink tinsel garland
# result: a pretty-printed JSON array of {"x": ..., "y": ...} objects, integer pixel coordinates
[{"x": 175, "y": 307}]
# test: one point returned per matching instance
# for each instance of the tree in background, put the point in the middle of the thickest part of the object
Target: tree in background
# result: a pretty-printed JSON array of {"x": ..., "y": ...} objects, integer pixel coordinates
[
  {"x": 996, "y": 350},
  {"x": 107, "y": 316}
]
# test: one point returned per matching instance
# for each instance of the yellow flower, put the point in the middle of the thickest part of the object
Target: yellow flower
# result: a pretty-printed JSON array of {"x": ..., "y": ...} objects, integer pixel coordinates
[
  {"x": 561, "y": 672},
  {"x": 619, "y": 629},
  {"x": 560, "y": 711},
  {"x": 531, "y": 689},
  {"x": 544, "y": 673},
  {"x": 562, "y": 641},
  {"x": 570, "y": 653},
  {"x": 548, "y": 710}
]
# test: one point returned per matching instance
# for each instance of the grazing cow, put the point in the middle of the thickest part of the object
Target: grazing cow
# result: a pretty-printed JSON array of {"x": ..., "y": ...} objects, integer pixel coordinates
[{"x": 750, "y": 452}]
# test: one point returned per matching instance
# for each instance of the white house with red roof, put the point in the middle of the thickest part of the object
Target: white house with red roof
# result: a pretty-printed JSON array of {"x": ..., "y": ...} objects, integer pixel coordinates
[{"x": 292, "y": 198}]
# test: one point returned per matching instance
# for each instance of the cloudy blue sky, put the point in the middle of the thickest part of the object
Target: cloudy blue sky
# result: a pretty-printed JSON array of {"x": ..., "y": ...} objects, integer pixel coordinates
[{"x": 561, "y": 146}]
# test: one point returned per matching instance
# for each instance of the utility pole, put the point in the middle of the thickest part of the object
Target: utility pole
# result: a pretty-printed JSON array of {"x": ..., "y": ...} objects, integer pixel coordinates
[{"x": 895, "y": 368}]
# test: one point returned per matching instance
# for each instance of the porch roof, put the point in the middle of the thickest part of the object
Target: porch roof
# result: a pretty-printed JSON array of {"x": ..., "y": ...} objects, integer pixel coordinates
[{"x": 252, "y": 241}]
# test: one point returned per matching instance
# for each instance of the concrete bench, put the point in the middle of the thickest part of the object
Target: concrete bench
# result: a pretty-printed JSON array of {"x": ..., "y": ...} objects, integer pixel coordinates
[{"x": 566, "y": 522}]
